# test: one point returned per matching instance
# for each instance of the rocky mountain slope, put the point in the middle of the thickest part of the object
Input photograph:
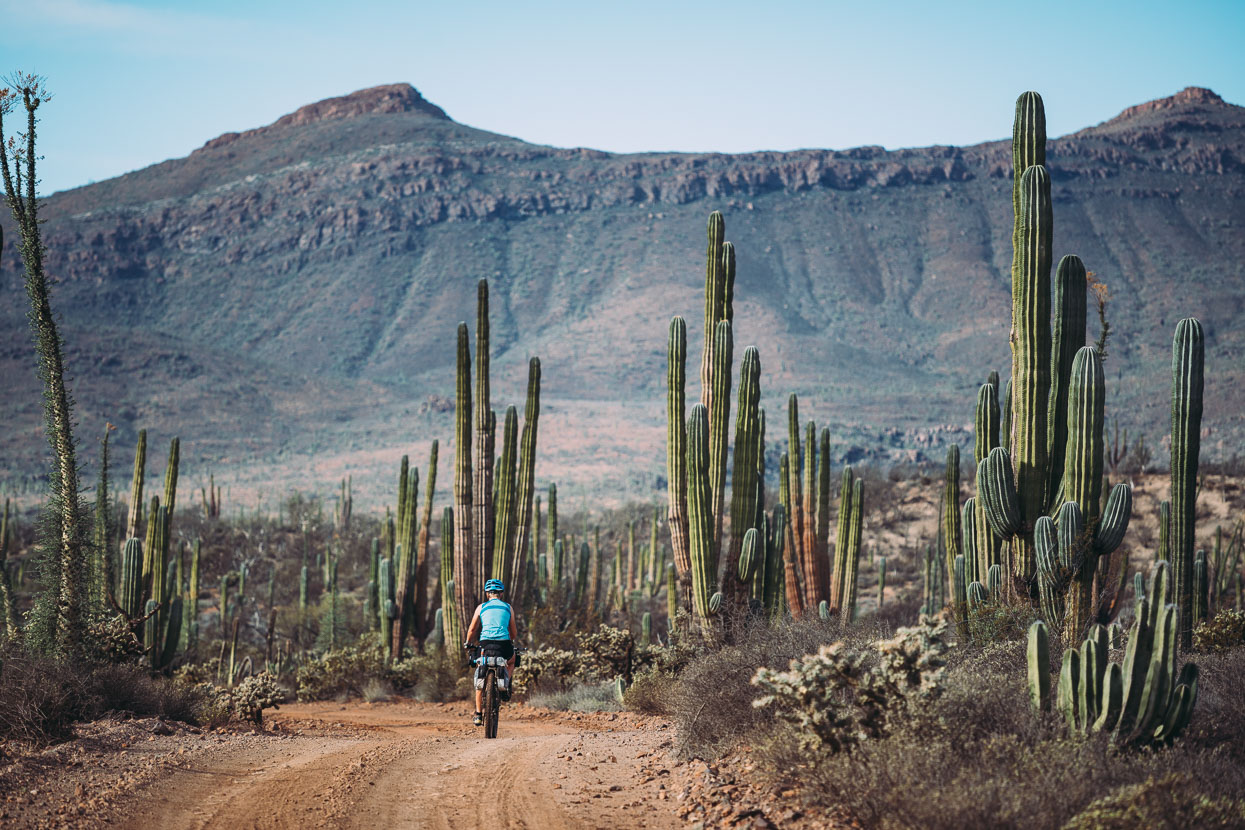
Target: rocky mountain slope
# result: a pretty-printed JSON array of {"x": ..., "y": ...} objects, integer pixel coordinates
[{"x": 286, "y": 298}]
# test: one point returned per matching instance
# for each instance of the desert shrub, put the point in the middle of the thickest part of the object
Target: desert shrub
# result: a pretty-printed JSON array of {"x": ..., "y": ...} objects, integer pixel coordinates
[
  {"x": 255, "y": 694},
  {"x": 428, "y": 677},
  {"x": 980, "y": 756},
  {"x": 712, "y": 698},
  {"x": 41, "y": 697},
  {"x": 132, "y": 690},
  {"x": 350, "y": 671},
  {"x": 340, "y": 672},
  {"x": 1224, "y": 631},
  {"x": 997, "y": 621},
  {"x": 580, "y": 697},
  {"x": 604, "y": 654},
  {"x": 544, "y": 667},
  {"x": 1172, "y": 802},
  {"x": 111, "y": 639},
  {"x": 841, "y": 695},
  {"x": 650, "y": 692},
  {"x": 377, "y": 691}
]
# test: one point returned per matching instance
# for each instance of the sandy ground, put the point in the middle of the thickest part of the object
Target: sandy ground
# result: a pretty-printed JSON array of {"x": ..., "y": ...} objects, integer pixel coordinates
[{"x": 400, "y": 764}]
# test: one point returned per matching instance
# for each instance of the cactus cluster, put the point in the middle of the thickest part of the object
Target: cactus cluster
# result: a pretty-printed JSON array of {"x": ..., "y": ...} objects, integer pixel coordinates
[
  {"x": 1145, "y": 700},
  {"x": 816, "y": 571},
  {"x": 697, "y": 443},
  {"x": 149, "y": 589},
  {"x": 787, "y": 564},
  {"x": 1051, "y": 450},
  {"x": 491, "y": 523}
]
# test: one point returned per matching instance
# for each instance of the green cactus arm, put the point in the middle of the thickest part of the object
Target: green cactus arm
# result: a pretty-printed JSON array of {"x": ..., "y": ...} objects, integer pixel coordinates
[
  {"x": 1114, "y": 520},
  {"x": 968, "y": 533},
  {"x": 1188, "y": 357},
  {"x": 505, "y": 513},
  {"x": 1028, "y": 140},
  {"x": 847, "y": 611},
  {"x": 699, "y": 502},
  {"x": 748, "y": 557},
  {"x": 170, "y": 475},
  {"x": 422, "y": 595},
  {"x": 676, "y": 452},
  {"x": 795, "y": 495},
  {"x": 1111, "y": 702},
  {"x": 1082, "y": 480},
  {"x": 959, "y": 598},
  {"x": 715, "y": 300},
  {"x": 464, "y": 560},
  {"x": 996, "y": 491},
  {"x": 1067, "y": 337},
  {"x": 1030, "y": 357},
  {"x": 811, "y": 564},
  {"x": 1038, "y": 657},
  {"x": 822, "y": 536},
  {"x": 842, "y": 537},
  {"x": 952, "y": 521},
  {"x": 485, "y": 432},
  {"x": 747, "y": 450},
  {"x": 135, "y": 521},
  {"x": 1069, "y": 683},
  {"x": 1180, "y": 711}
]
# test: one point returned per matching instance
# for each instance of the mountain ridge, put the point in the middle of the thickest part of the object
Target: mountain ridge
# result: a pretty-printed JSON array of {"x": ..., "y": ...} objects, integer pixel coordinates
[{"x": 338, "y": 245}]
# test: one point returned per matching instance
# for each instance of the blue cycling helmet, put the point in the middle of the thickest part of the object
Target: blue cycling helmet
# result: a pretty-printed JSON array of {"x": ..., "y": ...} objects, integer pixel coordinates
[{"x": 494, "y": 585}]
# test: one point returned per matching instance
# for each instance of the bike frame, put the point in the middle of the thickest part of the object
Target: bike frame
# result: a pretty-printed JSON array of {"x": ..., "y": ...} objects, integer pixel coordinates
[{"x": 492, "y": 665}]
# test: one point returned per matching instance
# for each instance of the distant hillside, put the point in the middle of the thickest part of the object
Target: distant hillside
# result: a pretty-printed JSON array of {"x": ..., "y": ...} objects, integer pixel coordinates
[{"x": 285, "y": 298}]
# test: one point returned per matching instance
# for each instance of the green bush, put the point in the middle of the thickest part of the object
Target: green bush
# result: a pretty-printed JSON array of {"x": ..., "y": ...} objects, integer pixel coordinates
[
  {"x": 547, "y": 667},
  {"x": 1222, "y": 632},
  {"x": 255, "y": 694},
  {"x": 841, "y": 695},
  {"x": 1172, "y": 802},
  {"x": 350, "y": 671}
]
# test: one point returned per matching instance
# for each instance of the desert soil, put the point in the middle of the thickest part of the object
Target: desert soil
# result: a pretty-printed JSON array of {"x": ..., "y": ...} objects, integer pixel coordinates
[{"x": 398, "y": 764}]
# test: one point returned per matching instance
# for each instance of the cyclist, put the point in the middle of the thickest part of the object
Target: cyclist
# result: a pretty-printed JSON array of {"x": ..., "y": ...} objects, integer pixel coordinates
[{"x": 493, "y": 625}]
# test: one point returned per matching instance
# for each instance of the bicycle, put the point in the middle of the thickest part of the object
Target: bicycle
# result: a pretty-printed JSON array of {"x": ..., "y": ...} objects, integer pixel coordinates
[{"x": 488, "y": 666}]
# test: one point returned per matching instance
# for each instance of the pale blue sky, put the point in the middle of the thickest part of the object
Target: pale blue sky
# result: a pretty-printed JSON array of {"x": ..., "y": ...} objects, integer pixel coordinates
[{"x": 141, "y": 81}]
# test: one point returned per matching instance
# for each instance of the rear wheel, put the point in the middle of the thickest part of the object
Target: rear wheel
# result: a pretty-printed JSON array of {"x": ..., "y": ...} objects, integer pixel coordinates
[{"x": 491, "y": 704}]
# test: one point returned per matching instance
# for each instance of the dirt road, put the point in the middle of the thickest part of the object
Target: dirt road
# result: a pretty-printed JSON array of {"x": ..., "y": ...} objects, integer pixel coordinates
[{"x": 408, "y": 764}]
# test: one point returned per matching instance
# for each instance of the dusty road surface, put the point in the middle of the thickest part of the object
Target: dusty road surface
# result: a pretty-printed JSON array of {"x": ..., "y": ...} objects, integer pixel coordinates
[
  {"x": 361, "y": 765},
  {"x": 421, "y": 765}
]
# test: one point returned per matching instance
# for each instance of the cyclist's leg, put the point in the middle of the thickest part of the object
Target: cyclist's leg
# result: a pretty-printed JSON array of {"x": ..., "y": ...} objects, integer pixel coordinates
[{"x": 479, "y": 700}]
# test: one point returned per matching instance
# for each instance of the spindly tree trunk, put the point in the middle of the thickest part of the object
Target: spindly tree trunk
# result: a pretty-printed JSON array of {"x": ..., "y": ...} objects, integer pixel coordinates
[{"x": 60, "y": 614}]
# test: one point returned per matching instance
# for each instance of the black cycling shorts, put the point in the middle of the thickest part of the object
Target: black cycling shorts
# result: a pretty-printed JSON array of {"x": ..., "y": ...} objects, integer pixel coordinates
[{"x": 501, "y": 648}]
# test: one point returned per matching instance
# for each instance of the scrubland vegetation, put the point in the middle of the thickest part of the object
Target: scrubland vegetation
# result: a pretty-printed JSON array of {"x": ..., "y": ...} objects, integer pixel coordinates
[{"x": 937, "y": 701}]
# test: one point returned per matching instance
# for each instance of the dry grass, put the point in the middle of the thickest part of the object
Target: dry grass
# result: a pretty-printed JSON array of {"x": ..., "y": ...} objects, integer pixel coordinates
[
  {"x": 583, "y": 697},
  {"x": 41, "y": 698}
]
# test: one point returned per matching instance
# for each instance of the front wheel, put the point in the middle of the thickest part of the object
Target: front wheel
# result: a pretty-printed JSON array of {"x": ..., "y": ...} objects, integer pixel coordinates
[{"x": 491, "y": 704}]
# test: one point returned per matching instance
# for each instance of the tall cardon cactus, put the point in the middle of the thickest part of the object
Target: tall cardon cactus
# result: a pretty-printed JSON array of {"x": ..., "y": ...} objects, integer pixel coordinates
[{"x": 1188, "y": 356}]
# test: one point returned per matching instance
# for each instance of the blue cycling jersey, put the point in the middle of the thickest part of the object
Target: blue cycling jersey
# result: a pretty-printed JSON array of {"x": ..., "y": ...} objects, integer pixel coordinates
[{"x": 495, "y": 620}]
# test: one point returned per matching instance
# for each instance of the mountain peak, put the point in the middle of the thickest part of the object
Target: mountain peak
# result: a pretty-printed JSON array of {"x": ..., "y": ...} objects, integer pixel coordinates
[
  {"x": 377, "y": 100},
  {"x": 1189, "y": 97}
]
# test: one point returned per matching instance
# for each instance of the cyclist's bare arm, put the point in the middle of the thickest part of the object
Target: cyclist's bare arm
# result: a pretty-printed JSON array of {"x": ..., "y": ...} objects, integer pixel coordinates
[
  {"x": 473, "y": 630},
  {"x": 514, "y": 639}
]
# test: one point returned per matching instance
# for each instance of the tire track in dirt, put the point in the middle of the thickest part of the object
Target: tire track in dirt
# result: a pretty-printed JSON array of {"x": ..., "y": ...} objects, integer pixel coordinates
[{"x": 419, "y": 765}]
